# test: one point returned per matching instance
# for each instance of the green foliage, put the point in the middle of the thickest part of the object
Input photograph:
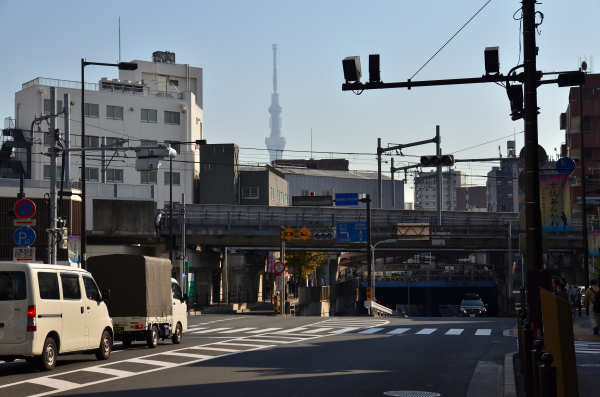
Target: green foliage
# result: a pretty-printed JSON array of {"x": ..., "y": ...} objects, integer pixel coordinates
[{"x": 306, "y": 262}]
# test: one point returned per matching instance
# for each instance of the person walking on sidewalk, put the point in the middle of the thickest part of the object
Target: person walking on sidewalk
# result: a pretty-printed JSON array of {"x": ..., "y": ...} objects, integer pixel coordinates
[{"x": 592, "y": 295}]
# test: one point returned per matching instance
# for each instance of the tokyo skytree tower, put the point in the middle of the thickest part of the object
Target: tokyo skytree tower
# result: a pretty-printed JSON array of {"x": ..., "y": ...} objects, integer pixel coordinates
[{"x": 275, "y": 142}]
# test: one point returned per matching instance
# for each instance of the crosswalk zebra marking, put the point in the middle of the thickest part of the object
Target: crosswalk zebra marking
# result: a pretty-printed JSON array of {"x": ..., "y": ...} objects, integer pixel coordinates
[
  {"x": 426, "y": 331},
  {"x": 260, "y": 331},
  {"x": 454, "y": 331},
  {"x": 483, "y": 332},
  {"x": 398, "y": 331},
  {"x": 231, "y": 331},
  {"x": 210, "y": 330},
  {"x": 344, "y": 330},
  {"x": 370, "y": 331},
  {"x": 217, "y": 349},
  {"x": 316, "y": 330}
]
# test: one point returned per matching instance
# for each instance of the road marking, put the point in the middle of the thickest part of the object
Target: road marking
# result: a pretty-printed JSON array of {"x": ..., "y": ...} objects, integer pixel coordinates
[
  {"x": 398, "y": 331},
  {"x": 180, "y": 354},
  {"x": 109, "y": 371},
  {"x": 454, "y": 331},
  {"x": 217, "y": 349},
  {"x": 147, "y": 360},
  {"x": 229, "y": 343},
  {"x": 260, "y": 331},
  {"x": 344, "y": 330},
  {"x": 61, "y": 385},
  {"x": 316, "y": 330},
  {"x": 236, "y": 330},
  {"x": 370, "y": 331},
  {"x": 210, "y": 330},
  {"x": 292, "y": 330},
  {"x": 484, "y": 332},
  {"x": 194, "y": 329},
  {"x": 426, "y": 331}
]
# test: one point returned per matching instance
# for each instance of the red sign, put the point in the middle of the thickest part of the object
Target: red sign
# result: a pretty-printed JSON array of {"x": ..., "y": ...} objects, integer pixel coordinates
[
  {"x": 24, "y": 208},
  {"x": 278, "y": 267}
]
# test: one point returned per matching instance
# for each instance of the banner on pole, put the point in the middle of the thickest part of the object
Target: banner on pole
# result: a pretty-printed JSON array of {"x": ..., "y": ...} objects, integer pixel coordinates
[
  {"x": 593, "y": 243},
  {"x": 555, "y": 203}
]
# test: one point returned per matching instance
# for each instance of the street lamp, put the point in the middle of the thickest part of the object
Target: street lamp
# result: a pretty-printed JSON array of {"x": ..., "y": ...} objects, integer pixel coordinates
[
  {"x": 121, "y": 66},
  {"x": 389, "y": 241}
]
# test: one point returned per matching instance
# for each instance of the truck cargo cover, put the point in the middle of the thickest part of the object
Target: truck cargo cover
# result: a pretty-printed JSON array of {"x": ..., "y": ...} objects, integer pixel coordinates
[{"x": 139, "y": 285}]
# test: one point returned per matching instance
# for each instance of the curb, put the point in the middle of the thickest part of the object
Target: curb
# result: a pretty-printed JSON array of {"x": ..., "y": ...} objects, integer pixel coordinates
[{"x": 510, "y": 385}]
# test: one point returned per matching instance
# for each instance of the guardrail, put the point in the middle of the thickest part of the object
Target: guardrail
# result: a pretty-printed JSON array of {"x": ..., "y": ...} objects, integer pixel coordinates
[{"x": 375, "y": 309}]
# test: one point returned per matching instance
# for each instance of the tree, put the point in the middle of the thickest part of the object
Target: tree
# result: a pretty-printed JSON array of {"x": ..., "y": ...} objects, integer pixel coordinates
[{"x": 307, "y": 262}]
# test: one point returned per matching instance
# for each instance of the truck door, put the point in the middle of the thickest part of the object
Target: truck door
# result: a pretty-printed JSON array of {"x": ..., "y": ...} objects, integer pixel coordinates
[
  {"x": 95, "y": 312},
  {"x": 73, "y": 335},
  {"x": 179, "y": 307}
]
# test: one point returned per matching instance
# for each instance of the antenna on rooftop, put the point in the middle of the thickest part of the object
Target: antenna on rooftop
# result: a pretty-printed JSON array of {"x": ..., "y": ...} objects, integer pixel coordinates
[{"x": 119, "y": 39}]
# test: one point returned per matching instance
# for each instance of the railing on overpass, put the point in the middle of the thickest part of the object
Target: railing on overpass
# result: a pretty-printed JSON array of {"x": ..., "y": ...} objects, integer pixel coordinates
[{"x": 376, "y": 309}]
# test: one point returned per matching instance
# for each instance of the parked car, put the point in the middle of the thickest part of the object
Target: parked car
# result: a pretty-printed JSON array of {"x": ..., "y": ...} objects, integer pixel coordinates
[
  {"x": 472, "y": 306},
  {"x": 47, "y": 310}
]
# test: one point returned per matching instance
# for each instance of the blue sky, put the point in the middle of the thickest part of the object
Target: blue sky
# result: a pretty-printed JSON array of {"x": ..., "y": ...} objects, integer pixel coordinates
[{"x": 232, "y": 42}]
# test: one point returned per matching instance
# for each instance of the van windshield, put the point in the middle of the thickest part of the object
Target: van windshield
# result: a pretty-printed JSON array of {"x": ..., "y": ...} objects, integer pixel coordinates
[{"x": 12, "y": 286}]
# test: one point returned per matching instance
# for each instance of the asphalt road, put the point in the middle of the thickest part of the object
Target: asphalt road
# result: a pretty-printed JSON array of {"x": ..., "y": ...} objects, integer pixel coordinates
[{"x": 246, "y": 355}]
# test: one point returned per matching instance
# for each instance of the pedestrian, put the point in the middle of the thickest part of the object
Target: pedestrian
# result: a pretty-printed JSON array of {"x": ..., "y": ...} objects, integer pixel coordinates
[
  {"x": 554, "y": 286},
  {"x": 591, "y": 296},
  {"x": 563, "y": 281},
  {"x": 561, "y": 292}
]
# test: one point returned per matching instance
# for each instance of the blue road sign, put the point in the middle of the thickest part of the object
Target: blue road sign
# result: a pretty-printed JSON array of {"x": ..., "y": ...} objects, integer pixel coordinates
[
  {"x": 342, "y": 199},
  {"x": 565, "y": 165},
  {"x": 351, "y": 232},
  {"x": 24, "y": 236}
]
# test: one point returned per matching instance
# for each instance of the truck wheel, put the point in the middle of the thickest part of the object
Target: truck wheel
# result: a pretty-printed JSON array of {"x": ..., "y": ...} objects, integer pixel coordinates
[
  {"x": 153, "y": 338},
  {"x": 47, "y": 360},
  {"x": 103, "y": 352},
  {"x": 176, "y": 338}
]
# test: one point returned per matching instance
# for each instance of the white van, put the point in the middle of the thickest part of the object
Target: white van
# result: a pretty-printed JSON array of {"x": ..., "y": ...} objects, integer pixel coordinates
[{"x": 46, "y": 310}]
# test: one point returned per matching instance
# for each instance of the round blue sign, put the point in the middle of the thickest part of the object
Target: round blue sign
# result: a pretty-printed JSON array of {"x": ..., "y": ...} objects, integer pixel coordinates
[
  {"x": 24, "y": 236},
  {"x": 565, "y": 165}
]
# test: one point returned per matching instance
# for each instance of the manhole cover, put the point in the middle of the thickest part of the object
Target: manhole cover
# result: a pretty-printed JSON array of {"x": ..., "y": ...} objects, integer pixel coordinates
[{"x": 411, "y": 393}]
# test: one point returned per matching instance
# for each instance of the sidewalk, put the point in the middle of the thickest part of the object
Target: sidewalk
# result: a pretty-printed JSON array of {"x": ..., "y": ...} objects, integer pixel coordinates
[{"x": 587, "y": 358}]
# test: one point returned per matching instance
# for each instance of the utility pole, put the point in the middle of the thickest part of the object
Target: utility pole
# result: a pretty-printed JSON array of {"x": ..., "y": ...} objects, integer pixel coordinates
[
  {"x": 379, "y": 183},
  {"x": 184, "y": 277},
  {"x": 52, "y": 207},
  {"x": 439, "y": 186}
]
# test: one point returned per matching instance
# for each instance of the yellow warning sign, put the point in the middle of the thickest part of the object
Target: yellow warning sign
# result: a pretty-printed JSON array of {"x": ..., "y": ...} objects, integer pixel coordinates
[
  {"x": 304, "y": 233},
  {"x": 288, "y": 234}
]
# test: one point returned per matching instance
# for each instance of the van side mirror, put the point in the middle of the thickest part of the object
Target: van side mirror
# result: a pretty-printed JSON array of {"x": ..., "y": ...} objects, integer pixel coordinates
[{"x": 105, "y": 295}]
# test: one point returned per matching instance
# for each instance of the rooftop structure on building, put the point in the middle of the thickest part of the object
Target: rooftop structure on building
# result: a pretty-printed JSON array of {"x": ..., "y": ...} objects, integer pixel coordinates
[
  {"x": 319, "y": 164},
  {"x": 275, "y": 142}
]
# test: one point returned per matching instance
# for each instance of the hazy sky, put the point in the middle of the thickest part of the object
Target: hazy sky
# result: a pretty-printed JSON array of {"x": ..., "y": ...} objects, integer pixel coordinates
[{"x": 232, "y": 42}]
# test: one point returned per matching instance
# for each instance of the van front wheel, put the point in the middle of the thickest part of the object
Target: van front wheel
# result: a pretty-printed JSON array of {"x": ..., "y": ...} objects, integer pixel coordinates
[
  {"x": 153, "y": 338},
  {"x": 47, "y": 360},
  {"x": 103, "y": 352}
]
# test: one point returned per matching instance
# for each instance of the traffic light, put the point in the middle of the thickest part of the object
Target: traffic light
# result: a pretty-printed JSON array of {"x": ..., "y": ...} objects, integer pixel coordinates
[
  {"x": 436, "y": 161},
  {"x": 64, "y": 237},
  {"x": 324, "y": 235}
]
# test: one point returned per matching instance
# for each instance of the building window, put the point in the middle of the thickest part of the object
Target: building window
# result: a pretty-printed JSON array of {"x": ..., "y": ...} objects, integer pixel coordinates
[
  {"x": 176, "y": 178},
  {"x": 174, "y": 144},
  {"x": 305, "y": 193},
  {"x": 145, "y": 142},
  {"x": 114, "y": 112},
  {"x": 171, "y": 117},
  {"x": 47, "y": 171},
  {"x": 174, "y": 82},
  {"x": 148, "y": 177},
  {"x": 250, "y": 193},
  {"x": 149, "y": 115},
  {"x": 91, "y": 110},
  {"x": 48, "y": 104},
  {"x": 91, "y": 174},
  {"x": 92, "y": 141},
  {"x": 113, "y": 142},
  {"x": 272, "y": 194},
  {"x": 114, "y": 175}
]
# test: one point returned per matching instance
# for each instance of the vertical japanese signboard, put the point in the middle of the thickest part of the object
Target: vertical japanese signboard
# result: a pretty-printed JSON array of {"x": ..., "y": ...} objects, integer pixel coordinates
[
  {"x": 555, "y": 203},
  {"x": 594, "y": 243}
]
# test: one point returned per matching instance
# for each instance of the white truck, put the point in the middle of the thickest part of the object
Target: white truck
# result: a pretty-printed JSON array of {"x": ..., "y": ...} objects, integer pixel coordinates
[{"x": 145, "y": 302}]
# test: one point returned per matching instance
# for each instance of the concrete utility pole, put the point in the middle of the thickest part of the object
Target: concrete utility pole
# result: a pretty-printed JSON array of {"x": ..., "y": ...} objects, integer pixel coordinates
[
  {"x": 52, "y": 208},
  {"x": 439, "y": 186},
  {"x": 183, "y": 248}
]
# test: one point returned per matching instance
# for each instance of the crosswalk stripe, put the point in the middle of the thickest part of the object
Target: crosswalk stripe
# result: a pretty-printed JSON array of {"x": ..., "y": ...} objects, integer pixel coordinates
[
  {"x": 217, "y": 349},
  {"x": 398, "y": 331},
  {"x": 454, "y": 331},
  {"x": 285, "y": 331},
  {"x": 426, "y": 331},
  {"x": 316, "y": 330},
  {"x": 210, "y": 330},
  {"x": 370, "y": 331},
  {"x": 483, "y": 332},
  {"x": 343, "y": 330},
  {"x": 231, "y": 331},
  {"x": 263, "y": 330},
  {"x": 195, "y": 329}
]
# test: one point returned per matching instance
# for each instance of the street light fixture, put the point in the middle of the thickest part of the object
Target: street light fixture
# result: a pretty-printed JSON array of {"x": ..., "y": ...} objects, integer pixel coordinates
[
  {"x": 389, "y": 241},
  {"x": 121, "y": 66}
]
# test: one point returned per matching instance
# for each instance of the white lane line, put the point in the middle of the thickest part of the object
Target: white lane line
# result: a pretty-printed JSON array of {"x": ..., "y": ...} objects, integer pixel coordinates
[
  {"x": 398, "y": 331},
  {"x": 61, "y": 385},
  {"x": 454, "y": 331},
  {"x": 217, "y": 349},
  {"x": 285, "y": 331},
  {"x": 149, "y": 361},
  {"x": 191, "y": 355},
  {"x": 370, "y": 331},
  {"x": 211, "y": 330},
  {"x": 109, "y": 371},
  {"x": 344, "y": 330},
  {"x": 266, "y": 341},
  {"x": 483, "y": 332},
  {"x": 229, "y": 343},
  {"x": 316, "y": 330},
  {"x": 426, "y": 331},
  {"x": 260, "y": 331},
  {"x": 271, "y": 336},
  {"x": 237, "y": 330}
]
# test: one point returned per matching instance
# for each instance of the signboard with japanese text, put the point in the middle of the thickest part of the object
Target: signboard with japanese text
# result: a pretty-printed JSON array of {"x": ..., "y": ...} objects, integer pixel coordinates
[
  {"x": 594, "y": 243},
  {"x": 555, "y": 203}
]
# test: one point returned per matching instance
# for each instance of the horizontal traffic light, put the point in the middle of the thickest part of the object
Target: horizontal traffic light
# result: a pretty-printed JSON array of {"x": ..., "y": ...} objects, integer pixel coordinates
[
  {"x": 436, "y": 161},
  {"x": 324, "y": 235}
]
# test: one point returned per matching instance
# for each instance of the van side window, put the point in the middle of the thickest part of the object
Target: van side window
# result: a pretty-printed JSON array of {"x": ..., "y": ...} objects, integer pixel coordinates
[
  {"x": 91, "y": 290},
  {"x": 70, "y": 286},
  {"x": 176, "y": 291},
  {"x": 48, "y": 284},
  {"x": 12, "y": 286}
]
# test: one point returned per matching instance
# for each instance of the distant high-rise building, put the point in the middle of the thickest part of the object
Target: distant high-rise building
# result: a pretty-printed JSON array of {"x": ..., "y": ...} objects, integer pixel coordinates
[{"x": 275, "y": 142}]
